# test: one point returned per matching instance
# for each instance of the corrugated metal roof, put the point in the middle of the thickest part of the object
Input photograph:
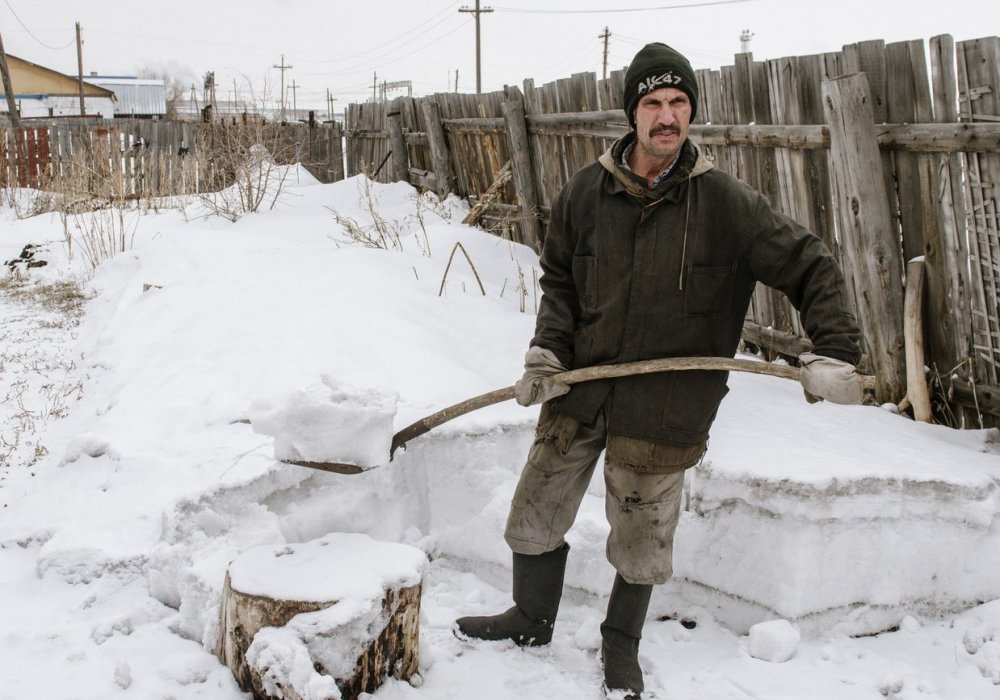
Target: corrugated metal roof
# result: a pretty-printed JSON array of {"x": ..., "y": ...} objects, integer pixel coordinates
[{"x": 145, "y": 96}]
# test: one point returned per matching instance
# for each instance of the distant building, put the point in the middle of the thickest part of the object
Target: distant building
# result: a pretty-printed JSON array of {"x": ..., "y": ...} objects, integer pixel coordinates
[
  {"x": 43, "y": 92},
  {"x": 143, "y": 98}
]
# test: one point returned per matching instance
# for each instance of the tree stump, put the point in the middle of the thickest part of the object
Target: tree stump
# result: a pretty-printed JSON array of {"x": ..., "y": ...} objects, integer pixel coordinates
[{"x": 331, "y": 618}]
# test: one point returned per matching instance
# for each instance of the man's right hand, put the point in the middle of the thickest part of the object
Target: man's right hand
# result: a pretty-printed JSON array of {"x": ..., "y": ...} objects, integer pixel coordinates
[{"x": 537, "y": 385}]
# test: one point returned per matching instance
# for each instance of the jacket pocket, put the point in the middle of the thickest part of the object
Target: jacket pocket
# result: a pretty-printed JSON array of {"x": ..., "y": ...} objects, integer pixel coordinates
[
  {"x": 708, "y": 291},
  {"x": 585, "y": 278},
  {"x": 555, "y": 428}
]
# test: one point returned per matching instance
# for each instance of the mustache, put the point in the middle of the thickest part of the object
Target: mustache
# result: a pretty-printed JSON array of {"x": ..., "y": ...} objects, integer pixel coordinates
[{"x": 669, "y": 129}]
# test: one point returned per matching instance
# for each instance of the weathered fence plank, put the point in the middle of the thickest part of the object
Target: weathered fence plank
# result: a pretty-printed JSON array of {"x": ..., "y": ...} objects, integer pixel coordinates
[{"x": 866, "y": 229}]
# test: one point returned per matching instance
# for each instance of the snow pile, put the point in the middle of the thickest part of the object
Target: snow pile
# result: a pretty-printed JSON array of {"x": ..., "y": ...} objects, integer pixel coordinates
[
  {"x": 329, "y": 422},
  {"x": 774, "y": 641}
]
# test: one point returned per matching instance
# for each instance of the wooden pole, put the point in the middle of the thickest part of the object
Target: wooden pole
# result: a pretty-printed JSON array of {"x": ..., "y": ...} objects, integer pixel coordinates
[
  {"x": 913, "y": 330},
  {"x": 79, "y": 67},
  {"x": 440, "y": 160},
  {"x": 948, "y": 281},
  {"x": 397, "y": 142},
  {"x": 477, "y": 10},
  {"x": 8, "y": 89},
  {"x": 870, "y": 245},
  {"x": 524, "y": 174}
]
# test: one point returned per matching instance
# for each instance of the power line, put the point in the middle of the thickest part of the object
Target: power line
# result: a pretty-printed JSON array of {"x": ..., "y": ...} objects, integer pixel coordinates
[
  {"x": 54, "y": 48},
  {"x": 388, "y": 56},
  {"x": 617, "y": 9},
  {"x": 410, "y": 32}
]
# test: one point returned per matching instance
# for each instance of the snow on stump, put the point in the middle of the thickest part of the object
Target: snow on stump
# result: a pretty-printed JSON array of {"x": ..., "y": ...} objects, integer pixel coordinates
[
  {"x": 330, "y": 618},
  {"x": 775, "y": 641}
]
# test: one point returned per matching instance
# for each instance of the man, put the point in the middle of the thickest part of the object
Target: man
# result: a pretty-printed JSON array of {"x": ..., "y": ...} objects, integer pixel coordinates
[{"x": 650, "y": 253}]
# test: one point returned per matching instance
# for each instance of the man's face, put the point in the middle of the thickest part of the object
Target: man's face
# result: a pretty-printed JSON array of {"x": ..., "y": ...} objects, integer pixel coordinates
[{"x": 662, "y": 119}]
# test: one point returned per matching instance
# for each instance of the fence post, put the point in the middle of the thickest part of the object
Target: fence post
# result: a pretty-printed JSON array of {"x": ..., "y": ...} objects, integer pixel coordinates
[
  {"x": 873, "y": 261},
  {"x": 440, "y": 159},
  {"x": 524, "y": 174},
  {"x": 397, "y": 143}
]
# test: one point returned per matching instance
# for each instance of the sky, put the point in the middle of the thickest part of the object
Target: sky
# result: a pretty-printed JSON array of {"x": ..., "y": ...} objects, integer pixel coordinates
[{"x": 346, "y": 47}]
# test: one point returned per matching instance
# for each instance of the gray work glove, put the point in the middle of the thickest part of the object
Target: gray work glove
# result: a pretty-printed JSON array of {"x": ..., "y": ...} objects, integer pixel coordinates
[
  {"x": 833, "y": 380},
  {"x": 536, "y": 385}
]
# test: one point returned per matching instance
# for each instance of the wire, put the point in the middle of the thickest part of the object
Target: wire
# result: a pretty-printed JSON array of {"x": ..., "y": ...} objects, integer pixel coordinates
[
  {"x": 411, "y": 31},
  {"x": 53, "y": 48},
  {"x": 616, "y": 10},
  {"x": 363, "y": 66}
]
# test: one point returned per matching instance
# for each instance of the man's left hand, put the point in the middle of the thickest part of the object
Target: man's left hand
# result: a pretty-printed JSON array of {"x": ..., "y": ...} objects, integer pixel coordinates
[{"x": 830, "y": 379}]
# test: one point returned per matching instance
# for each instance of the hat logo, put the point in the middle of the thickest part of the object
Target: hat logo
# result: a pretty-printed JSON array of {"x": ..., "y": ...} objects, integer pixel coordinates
[{"x": 654, "y": 82}]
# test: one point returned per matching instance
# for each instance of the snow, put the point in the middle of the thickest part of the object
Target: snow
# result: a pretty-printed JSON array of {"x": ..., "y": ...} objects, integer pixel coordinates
[
  {"x": 328, "y": 422},
  {"x": 340, "y": 566},
  {"x": 132, "y": 475},
  {"x": 774, "y": 640}
]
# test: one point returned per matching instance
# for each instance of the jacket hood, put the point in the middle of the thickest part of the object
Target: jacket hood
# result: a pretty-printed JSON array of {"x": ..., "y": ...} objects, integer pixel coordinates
[{"x": 692, "y": 159}]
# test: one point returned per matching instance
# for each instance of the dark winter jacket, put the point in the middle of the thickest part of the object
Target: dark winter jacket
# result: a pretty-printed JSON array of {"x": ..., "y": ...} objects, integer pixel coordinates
[{"x": 631, "y": 274}]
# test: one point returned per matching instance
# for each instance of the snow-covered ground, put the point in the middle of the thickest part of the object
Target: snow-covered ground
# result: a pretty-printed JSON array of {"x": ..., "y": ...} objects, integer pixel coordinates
[{"x": 130, "y": 474}]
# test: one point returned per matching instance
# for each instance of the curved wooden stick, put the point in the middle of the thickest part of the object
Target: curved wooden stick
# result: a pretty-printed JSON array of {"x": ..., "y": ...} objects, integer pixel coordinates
[{"x": 574, "y": 376}]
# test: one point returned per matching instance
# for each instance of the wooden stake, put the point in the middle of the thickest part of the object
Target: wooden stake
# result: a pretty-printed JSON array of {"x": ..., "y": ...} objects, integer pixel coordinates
[{"x": 913, "y": 331}]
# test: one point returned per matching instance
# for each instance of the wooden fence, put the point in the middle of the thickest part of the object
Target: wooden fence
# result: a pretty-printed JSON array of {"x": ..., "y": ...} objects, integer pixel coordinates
[
  {"x": 884, "y": 157},
  {"x": 138, "y": 158}
]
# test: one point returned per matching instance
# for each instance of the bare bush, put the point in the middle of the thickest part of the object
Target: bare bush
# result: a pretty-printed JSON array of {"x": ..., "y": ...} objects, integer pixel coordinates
[
  {"x": 244, "y": 166},
  {"x": 381, "y": 233}
]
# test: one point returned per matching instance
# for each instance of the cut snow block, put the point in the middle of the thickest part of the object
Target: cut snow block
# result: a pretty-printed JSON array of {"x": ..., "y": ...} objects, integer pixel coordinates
[
  {"x": 854, "y": 553},
  {"x": 329, "y": 422},
  {"x": 330, "y": 618}
]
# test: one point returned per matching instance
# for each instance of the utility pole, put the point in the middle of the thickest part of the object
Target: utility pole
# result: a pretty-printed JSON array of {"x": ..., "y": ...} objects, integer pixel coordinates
[
  {"x": 605, "y": 35},
  {"x": 479, "y": 69},
  {"x": 8, "y": 90},
  {"x": 745, "y": 36},
  {"x": 456, "y": 80},
  {"x": 79, "y": 65},
  {"x": 283, "y": 67},
  {"x": 294, "y": 87},
  {"x": 374, "y": 87}
]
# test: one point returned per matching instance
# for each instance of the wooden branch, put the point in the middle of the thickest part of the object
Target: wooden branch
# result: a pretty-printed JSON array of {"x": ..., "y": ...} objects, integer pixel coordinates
[
  {"x": 444, "y": 277},
  {"x": 490, "y": 196}
]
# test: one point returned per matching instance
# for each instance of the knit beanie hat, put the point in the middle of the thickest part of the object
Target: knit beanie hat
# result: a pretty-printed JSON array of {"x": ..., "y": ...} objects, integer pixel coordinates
[{"x": 658, "y": 66}]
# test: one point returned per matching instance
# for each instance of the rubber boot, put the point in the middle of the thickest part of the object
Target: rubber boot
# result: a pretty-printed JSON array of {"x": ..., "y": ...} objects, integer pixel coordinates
[
  {"x": 538, "y": 582},
  {"x": 620, "y": 634}
]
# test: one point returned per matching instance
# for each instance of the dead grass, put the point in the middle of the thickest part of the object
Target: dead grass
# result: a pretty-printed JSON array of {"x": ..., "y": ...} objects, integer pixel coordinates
[{"x": 63, "y": 297}]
